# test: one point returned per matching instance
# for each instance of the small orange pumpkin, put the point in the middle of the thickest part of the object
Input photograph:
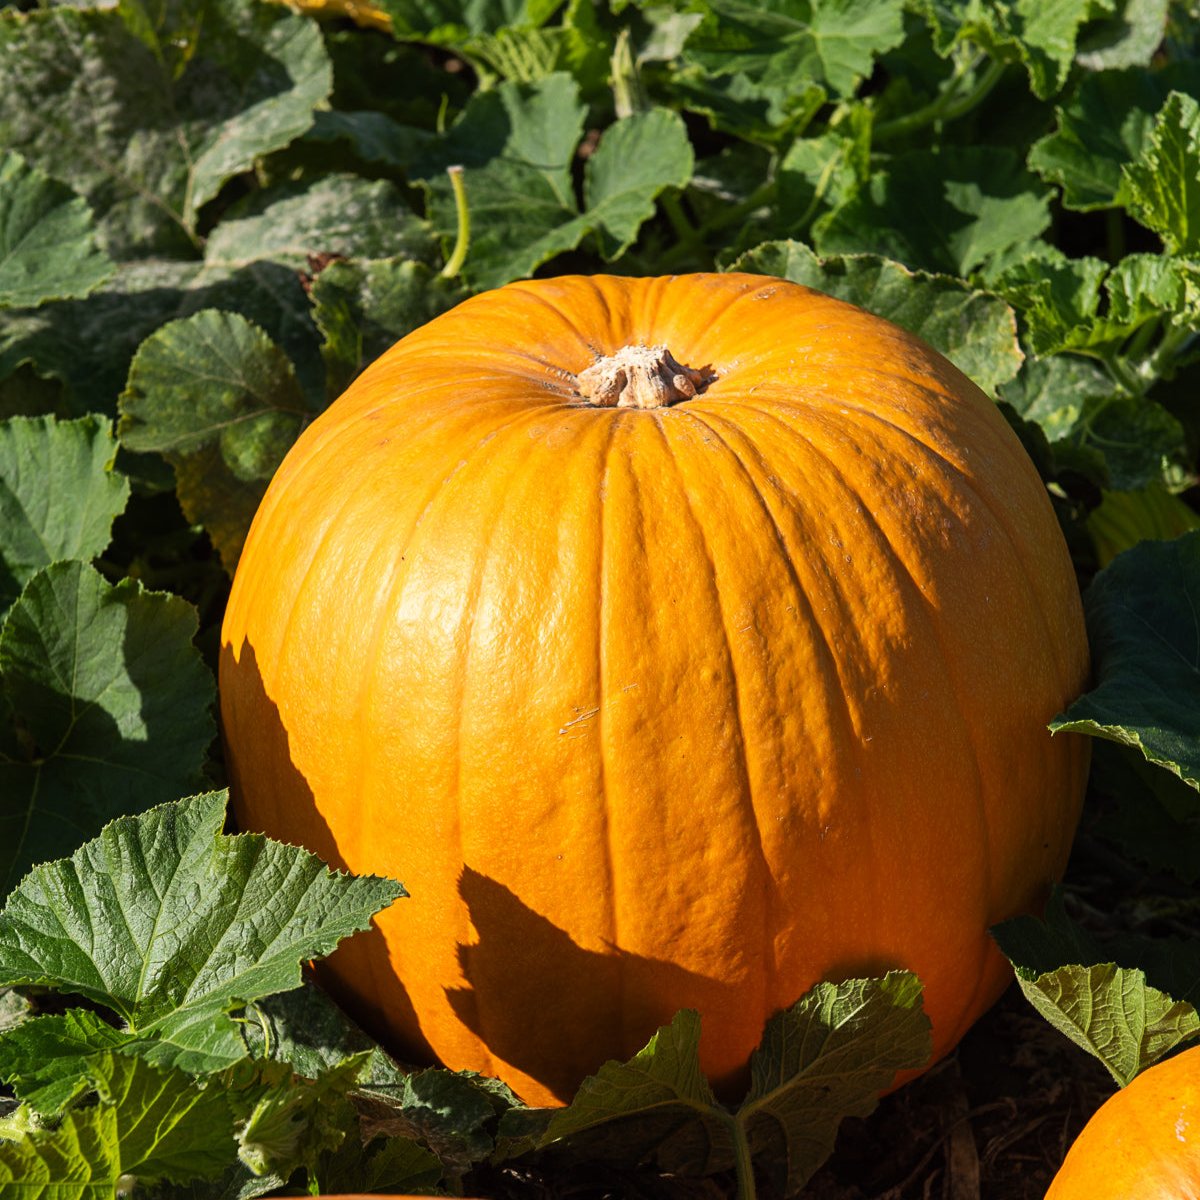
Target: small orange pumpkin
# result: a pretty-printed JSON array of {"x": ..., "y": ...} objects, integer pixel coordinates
[
  {"x": 1144, "y": 1141},
  {"x": 678, "y": 643}
]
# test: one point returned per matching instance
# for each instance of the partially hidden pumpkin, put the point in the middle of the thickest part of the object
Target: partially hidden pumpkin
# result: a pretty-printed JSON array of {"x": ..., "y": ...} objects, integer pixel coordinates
[
  {"x": 678, "y": 642},
  {"x": 1144, "y": 1141}
]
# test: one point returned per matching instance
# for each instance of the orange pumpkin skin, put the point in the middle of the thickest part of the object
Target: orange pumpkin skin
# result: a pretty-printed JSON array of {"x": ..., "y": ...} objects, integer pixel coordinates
[
  {"x": 690, "y": 706},
  {"x": 1144, "y": 1141}
]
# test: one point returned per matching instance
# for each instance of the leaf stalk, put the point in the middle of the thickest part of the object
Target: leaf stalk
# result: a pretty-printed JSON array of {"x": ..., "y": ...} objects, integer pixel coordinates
[{"x": 462, "y": 241}]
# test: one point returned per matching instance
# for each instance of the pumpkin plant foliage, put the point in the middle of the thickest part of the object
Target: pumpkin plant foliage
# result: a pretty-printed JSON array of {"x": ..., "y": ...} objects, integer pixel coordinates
[{"x": 195, "y": 269}]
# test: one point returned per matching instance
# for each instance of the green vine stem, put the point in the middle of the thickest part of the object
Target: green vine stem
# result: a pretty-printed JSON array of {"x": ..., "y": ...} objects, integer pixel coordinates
[
  {"x": 743, "y": 1164},
  {"x": 462, "y": 241},
  {"x": 948, "y": 105}
]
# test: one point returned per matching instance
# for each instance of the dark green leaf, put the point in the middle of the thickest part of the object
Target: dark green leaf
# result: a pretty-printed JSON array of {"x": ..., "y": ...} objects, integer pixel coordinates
[
  {"x": 192, "y": 95},
  {"x": 59, "y": 495},
  {"x": 106, "y": 710},
  {"x": 955, "y": 211},
  {"x": 362, "y": 308},
  {"x": 339, "y": 215},
  {"x": 781, "y": 44},
  {"x": 1141, "y": 614}
]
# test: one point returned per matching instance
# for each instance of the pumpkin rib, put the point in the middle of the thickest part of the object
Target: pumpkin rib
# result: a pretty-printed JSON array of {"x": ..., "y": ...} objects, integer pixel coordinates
[
  {"x": 744, "y": 773},
  {"x": 1039, "y": 603},
  {"x": 610, "y": 870},
  {"x": 905, "y": 577}
]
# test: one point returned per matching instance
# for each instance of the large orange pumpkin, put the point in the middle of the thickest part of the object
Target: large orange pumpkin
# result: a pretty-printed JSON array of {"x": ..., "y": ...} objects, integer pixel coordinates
[
  {"x": 683, "y": 678},
  {"x": 1143, "y": 1143}
]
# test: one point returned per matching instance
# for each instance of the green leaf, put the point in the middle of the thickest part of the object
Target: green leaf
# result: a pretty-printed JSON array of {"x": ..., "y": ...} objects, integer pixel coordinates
[
  {"x": 90, "y": 343},
  {"x": 451, "y": 22},
  {"x": 1081, "y": 305},
  {"x": 1126, "y": 1015},
  {"x": 220, "y": 401},
  {"x": 47, "y": 240},
  {"x": 956, "y": 211},
  {"x": 151, "y": 1124},
  {"x": 304, "y": 1028},
  {"x": 1153, "y": 816},
  {"x": 364, "y": 307},
  {"x": 1041, "y": 36},
  {"x": 454, "y": 1114},
  {"x": 173, "y": 926},
  {"x": 1118, "y": 441},
  {"x": 106, "y": 710},
  {"x": 337, "y": 215},
  {"x": 827, "y": 1057},
  {"x": 1113, "y": 1014},
  {"x": 1164, "y": 184},
  {"x": 396, "y": 1165},
  {"x": 975, "y": 331},
  {"x": 192, "y": 95},
  {"x": 298, "y": 1120},
  {"x": 43, "y": 1060},
  {"x": 1103, "y": 128},
  {"x": 656, "y": 1105},
  {"x": 819, "y": 173},
  {"x": 777, "y": 44},
  {"x": 59, "y": 495},
  {"x": 516, "y": 144},
  {"x": 636, "y": 159},
  {"x": 1127, "y": 38},
  {"x": 1141, "y": 613}
]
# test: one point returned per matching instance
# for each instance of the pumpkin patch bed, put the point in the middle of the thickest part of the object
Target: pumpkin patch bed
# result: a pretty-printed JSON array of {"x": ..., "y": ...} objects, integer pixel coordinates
[{"x": 597, "y": 598}]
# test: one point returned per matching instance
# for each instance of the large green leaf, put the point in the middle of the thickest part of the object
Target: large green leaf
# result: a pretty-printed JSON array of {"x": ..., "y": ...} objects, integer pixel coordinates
[
  {"x": 220, "y": 401},
  {"x": 828, "y": 1056},
  {"x": 106, "y": 710},
  {"x": 1039, "y": 35},
  {"x": 781, "y": 46},
  {"x": 173, "y": 926},
  {"x": 976, "y": 331},
  {"x": 516, "y": 144},
  {"x": 1163, "y": 186},
  {"x": 149, "y": 1124},
  {"x": 956, "y": 210},
  {"x": 1104, "y": 127},
  {"x": 192, "y": 93},
  {"x": 90, "y": 343},
  {"x": 47, "y": 244},
  {"x": 1141, "y": 614},
  {"x": 59, "y": 495}
]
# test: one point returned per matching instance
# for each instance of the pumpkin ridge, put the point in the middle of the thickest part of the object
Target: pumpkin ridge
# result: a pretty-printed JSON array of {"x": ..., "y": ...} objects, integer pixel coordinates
[
  {"x": 921, "y": 604},
  {"x": 738, "y": 718},
  {"x": 602, "y": 624},
  {"x": 768, "y": 909},
  {"x": 904, "y": 577},
  {"x": 966, "y": 482},
  {"x": 533, "y": 293}
]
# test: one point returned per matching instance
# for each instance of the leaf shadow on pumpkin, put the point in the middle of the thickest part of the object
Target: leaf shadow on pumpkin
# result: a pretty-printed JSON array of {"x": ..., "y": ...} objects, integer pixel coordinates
[
  {"x": 357, "y": 970},
  {"x": 557, "y": 1011}
]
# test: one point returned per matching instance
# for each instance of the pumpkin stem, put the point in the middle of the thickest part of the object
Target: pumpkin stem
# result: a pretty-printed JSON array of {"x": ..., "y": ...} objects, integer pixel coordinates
[{"x": 640, "y": 377}]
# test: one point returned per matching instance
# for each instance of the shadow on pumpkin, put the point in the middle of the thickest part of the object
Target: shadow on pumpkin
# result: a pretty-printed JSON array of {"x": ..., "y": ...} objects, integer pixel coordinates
[
  {"x": 557, "y": 1011},
  {"x": 285, "y": 808}
]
